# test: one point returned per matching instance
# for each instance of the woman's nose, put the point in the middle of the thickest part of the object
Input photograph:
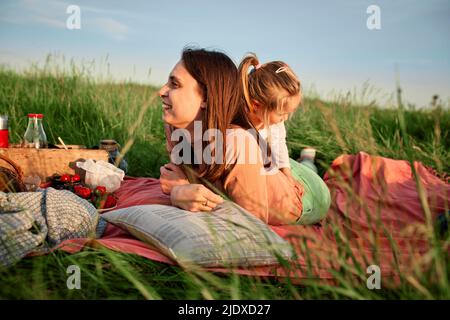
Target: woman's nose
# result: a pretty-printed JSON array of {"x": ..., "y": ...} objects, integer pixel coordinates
[{"x": 163, "y": 91}]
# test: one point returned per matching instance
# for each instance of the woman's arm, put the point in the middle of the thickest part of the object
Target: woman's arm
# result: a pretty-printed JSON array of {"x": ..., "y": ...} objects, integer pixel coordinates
[
  {"x": 171, "y": 175},
  {"x": 191, "y": 197}
]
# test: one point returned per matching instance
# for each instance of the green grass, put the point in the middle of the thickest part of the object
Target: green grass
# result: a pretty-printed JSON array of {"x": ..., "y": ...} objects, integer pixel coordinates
[{"x": 82, "y": 111}]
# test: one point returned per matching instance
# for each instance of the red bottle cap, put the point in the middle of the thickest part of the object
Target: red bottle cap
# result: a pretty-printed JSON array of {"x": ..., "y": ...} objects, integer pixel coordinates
[{"x": 36, "y": 115}]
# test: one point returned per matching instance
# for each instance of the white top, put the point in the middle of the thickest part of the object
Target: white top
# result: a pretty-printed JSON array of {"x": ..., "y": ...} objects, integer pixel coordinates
[{"x": 278, "y": 147}]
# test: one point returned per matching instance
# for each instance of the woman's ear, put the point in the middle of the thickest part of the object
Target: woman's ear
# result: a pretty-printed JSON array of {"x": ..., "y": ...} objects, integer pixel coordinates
[{"x": 203, "y": 105}]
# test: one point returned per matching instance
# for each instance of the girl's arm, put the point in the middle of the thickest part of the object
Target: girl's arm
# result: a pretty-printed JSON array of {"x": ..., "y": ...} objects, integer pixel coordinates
[
  {"x": 286, "y": 171},
  {"x": 281, "y": 152},
  {"x": 271, "y": 196},
  {"x": 171, "y": 174}
]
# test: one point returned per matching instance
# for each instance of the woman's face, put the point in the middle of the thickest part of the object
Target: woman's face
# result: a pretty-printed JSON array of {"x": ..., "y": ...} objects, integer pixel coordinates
[{"x": 182, "y": 99}]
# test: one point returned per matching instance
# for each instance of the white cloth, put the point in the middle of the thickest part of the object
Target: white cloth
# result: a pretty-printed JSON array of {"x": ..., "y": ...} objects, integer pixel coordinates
[{"x": 278, "y": 147}]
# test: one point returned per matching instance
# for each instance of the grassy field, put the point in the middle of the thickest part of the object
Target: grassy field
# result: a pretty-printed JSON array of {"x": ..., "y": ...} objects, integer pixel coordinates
[{"x": 79, "y": 110}]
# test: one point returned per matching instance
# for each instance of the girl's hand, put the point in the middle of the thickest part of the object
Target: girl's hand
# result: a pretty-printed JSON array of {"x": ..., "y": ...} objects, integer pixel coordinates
[
  {"x": 194, "y": 197},
  {"x": 171, "y": 175},
  {"x": 287, "y": 172}
]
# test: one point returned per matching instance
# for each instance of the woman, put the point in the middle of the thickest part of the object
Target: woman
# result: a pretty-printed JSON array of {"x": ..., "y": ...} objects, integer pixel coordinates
[{"x": 204, "y": 86}]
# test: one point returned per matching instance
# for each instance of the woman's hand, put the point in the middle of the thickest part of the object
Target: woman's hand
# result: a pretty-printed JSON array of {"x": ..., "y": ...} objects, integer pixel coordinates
[
  {"x": 194, "y": 197},
  {"x": 171, "y": 175}
]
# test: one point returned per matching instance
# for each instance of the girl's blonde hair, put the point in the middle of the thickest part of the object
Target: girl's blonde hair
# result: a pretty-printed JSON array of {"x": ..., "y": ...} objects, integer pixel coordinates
[{"x": 270, "y": 84}]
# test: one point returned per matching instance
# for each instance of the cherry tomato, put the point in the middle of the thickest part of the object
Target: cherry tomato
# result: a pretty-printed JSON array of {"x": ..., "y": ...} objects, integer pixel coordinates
[
  {"x": 100, "y": 190},
  {"x": 77, "y": 189},
  {"x": 84, "y": 192},
  {"x": 110, "y": 202},
  {"x": 65, "y": 178},
  {"x": 75, "y": 178}
]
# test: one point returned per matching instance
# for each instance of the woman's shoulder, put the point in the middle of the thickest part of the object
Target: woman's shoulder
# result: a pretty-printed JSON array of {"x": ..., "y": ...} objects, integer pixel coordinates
[
  {"x": 242, "y": 146},
  {"x": 240, "y": 139},
  {"x": 236, "y": 130}
]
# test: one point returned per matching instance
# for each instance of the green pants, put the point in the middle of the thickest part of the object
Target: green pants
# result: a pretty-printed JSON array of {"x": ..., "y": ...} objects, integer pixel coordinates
[{"x": 316, "y": 198}]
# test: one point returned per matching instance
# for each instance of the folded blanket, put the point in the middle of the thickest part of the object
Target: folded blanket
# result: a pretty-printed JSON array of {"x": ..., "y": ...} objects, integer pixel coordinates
[
  {"x": 375, "y": 203},
  {"x": 36, "y": 222}
]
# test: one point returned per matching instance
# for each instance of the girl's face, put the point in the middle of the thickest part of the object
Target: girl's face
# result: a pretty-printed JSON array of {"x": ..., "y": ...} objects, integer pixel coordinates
[
  {"x": 276, "y": 116},
  {"x": 182, "y": 99}
]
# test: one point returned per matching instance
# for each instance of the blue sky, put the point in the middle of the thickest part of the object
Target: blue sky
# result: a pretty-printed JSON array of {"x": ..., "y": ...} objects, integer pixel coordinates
[{"x": 327, "y": 43}]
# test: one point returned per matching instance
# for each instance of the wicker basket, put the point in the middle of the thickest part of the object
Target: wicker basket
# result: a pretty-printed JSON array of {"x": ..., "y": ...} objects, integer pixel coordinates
[
  {"x": 46, "y": 162},
  {"x": 11, "y": 180}
]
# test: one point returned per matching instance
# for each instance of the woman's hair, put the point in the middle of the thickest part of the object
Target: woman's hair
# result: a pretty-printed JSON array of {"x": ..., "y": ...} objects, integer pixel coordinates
[
  {"x": 218, "y": 78},
  {"x": 269, "y": 84}
]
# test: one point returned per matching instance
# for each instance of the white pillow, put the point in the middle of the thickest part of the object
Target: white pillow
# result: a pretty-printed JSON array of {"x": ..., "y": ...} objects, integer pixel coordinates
[{"x": 229, "y": 236}]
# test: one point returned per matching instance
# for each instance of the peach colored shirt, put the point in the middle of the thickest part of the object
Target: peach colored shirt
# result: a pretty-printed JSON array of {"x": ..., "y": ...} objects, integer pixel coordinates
[{"x": 271, "y": 196}]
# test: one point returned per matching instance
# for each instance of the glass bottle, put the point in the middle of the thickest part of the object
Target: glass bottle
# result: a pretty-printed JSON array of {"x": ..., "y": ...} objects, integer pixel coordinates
[{"x": 35, "y": 136}]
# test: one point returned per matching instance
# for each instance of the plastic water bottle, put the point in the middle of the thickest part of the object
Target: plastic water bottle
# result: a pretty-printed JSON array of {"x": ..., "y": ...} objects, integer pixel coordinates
[{"x": 307, "y": 156}]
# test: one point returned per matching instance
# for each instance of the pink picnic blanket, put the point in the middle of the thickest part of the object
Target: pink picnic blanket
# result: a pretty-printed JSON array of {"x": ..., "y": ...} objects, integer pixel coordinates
[{"x": 375, "y": 203}]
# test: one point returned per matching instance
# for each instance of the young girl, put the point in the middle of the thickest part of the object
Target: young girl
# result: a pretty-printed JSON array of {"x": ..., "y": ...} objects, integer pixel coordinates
[{"x": 272, "y": 93}]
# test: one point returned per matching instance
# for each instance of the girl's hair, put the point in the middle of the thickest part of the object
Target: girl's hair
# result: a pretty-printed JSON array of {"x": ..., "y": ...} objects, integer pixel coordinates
[
  {"x": 269, "y": 84},
  {"x": 218, "y": 78}
]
